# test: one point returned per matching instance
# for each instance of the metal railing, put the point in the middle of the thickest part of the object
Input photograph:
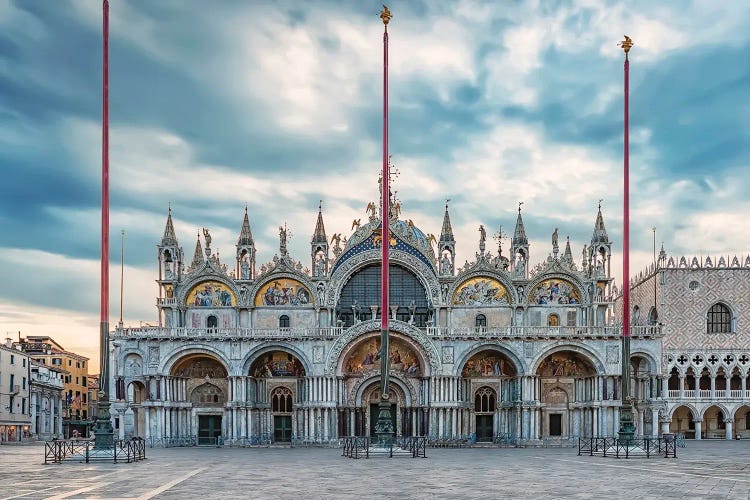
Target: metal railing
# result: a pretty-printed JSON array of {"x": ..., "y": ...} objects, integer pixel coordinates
[
  {"x": 74, "y": 450},
  {"x": 171, "y": 441},
  {"x": 156, "y": 332},
  {"x": 450, "y": 441},
  {"x": 510, "y": 332},
  {"x": 401, "y": 446},
  {"x": 638, "y": 447}
]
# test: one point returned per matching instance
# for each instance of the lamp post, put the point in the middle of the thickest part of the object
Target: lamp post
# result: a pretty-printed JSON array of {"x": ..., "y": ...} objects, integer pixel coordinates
[
  {"x": 384, "y": 426},
  {"x": 627, "y": 430}
]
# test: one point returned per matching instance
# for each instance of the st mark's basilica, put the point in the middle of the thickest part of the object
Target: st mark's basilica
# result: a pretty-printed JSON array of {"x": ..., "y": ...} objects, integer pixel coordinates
[{"x": 501, "y": 349}]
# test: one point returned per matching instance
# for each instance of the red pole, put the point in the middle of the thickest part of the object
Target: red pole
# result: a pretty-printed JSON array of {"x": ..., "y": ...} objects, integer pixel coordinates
[
  {"x": 104, "y": 304},
  {"x": 386, "y": 202},
  {"x": 626, "y": 213}
]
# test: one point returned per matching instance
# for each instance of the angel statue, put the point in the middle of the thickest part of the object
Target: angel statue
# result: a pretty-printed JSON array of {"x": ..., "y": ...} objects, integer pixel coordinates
[
  {"x": 282, "y": 240},
  {"x": 356, "y": 223},
  {"x": 337, "y": 246},
  {"x": 372, "y": 210},
  {"x": 555, "y": 246}
]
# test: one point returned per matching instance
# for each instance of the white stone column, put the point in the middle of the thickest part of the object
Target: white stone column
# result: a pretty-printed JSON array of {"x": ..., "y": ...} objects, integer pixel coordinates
[
  {"x": 682, "y": 386},
  {"x": 654, "y": 422},
  {"x": 728, "y": 422},
  {"x": 698, "y": 429},
  {"x": 713, "y": 386},
  {"x": 147, "y": 434},
  {"x": 665, "y": 427}
]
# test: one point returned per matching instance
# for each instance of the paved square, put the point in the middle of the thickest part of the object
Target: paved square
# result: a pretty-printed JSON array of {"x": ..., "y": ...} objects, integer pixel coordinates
[{"x": 717, "y": 469}]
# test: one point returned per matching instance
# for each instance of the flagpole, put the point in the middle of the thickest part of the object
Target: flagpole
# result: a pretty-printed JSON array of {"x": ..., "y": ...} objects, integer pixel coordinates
[
  {"x": 627, "y": 429},
  {"x": 103, "y": 427},
  {"x": 384, "y": 426}
]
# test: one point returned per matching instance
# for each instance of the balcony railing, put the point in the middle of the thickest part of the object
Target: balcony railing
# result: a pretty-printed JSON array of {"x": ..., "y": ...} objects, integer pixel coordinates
[
  {"x": 704, "y": 393},
  {"x": 507, "y": 332},
  {"x": 672, "y": 394},
  {"x": 689, "y": 394}
]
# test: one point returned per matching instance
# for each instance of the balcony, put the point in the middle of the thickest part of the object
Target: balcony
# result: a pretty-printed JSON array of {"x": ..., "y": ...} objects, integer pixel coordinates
[
  {"x": 704, "y": 393},
  {"x": 164, "y": 301},
  {"x": 496, "y": 333}
]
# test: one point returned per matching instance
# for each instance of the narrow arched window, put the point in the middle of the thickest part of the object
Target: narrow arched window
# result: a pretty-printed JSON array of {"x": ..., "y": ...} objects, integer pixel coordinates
[
  {"x": 283, "y": 321},
  {"x": 653, "y": 316},
  {"x": 636, "y": 315},
  {"x": 480, "y": 321},
  {"x": 212, "y": 322},
  {"x": 719, "y": 319},
  {"x": 281, "y": 400},
  {"x": 484, "y": 400}
]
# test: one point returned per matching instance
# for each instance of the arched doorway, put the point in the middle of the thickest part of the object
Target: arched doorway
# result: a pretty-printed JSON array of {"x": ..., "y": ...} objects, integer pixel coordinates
[
  {"x": 360, "y": 368},
  {"x": 644, "y": 390},
  {"x": 683, "y": 422},
  {"x": 276, "y": 384},
  {"x": 201, "y": 381},
  {"x": 136, "y": 395},
  {"x": 742, "y": 422},
  {"x": 567, "y": 395},
  {"x": 715, "y": 423},
  {"x": 491, "y": 376}
]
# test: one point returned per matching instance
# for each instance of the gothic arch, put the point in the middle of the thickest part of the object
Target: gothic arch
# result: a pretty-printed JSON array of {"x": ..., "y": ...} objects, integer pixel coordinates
[
  {"x": 344, "y": 272},
  {"x": 502, "y": 277},
  {"x": 518, "y": 363},
  {"x": 576, "y": 347},
  {"x": 428, "y": 349},
  {"x": 727, "y": 414},
  {"x": 177, "y": 355},
  {"x": 258, "y": 351},
  {"x": 691, "y": 408},
  {"x": 355, "y": 396},
  {"x": 652, "y": 364}
]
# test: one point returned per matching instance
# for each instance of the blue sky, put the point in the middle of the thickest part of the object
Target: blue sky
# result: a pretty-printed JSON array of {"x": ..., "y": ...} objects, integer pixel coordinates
[{"x": 277, "y": 105}]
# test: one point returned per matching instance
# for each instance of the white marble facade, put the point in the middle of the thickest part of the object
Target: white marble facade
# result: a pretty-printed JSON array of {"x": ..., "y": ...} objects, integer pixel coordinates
[{"x": 493, "y": 349}]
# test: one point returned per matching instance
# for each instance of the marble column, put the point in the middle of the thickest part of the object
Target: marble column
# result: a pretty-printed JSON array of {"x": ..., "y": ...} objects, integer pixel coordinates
[
  {"x": 729, "y": 424},
  {"x": 698, "y": 429}
]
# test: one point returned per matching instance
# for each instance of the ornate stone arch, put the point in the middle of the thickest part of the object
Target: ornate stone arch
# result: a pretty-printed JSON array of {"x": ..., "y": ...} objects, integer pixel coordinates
[
  {"x": 283, "y": 273},
  {"x": 502, "y": 277},
  {"x": 410, "y": 392},
  {"x": 202, "y": 348},
  {"x": 187, "y": 286},
  {"x": 256, "y": 352},
  {"x": 691, "y": 408},
  {"x": 520, "y": 365},
  {"x": 570, "y": 277},
  {"x": 123, "y": 355},
  {"x": 344, "y": 272},
  {"x": 334, "y": 358},
  {"x": 727, "y": 414},
  {"x": 577, "y": 347},
  {"x": 652, "y": 363}
]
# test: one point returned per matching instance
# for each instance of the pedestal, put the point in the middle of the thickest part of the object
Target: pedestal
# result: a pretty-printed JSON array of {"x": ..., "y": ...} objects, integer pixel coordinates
[
  {"x": 384, "y": 426},
  {"x": 103, "y": 427}
]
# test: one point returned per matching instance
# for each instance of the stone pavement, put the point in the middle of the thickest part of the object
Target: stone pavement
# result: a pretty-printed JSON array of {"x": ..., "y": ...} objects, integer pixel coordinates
[{"x": 708, "y": 469}]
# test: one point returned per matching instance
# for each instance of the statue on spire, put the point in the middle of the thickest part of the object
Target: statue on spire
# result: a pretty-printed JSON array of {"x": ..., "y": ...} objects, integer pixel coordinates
[
  {"x": 282, "y": 239},
  {"x": 555, "y": 246},
  {"x": 386, "y": 15},
  {"x": 482, "y": 238}
]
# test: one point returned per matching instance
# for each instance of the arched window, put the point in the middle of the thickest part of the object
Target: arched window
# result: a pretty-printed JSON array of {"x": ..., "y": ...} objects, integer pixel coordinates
[
  {"x": 553, "y": 320},
  {"x": 480, "y": 321},
  {"x": 636, "y": 315},
  {"x": 283, "y": 321},
  {"x": 719, "y": 319},
  {"x": 212, "y": 322},
  {"x": 653, "y": 316},
  {"x": 484, "y": 400},
  {"x": 720, "y": 420},
  {"x": 281, "y": 400}
]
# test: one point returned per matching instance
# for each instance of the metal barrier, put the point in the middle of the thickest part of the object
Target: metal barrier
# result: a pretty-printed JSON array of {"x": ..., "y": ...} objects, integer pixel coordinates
[
  {"x": 362, "y": 447},
  {"x": 172, "y": 441},
  {"x": 75, "y": 450},
  {"x": 637, "y": 447}
]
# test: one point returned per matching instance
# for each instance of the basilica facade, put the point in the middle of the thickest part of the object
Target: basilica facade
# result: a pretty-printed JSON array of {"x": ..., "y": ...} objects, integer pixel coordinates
[{"x": 494, "y": 349}]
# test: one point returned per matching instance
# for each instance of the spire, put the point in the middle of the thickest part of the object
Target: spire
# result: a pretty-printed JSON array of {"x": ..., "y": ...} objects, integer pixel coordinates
[
  {"x": 246, "y": 236},
  {"x": 198, "y": 255},
  {"x": 447, "y": 232},
  {"x": 600, "y": 233},
  {"x": 519, "y": 235},
  {"x": 320, "y": 231},
  {"x": 169, "y": 238},
  {"x": 568, "y": 254}
]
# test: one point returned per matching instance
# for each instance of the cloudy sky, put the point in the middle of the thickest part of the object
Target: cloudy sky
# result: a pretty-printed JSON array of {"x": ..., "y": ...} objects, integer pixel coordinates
[{"x": 277, "y": 105}]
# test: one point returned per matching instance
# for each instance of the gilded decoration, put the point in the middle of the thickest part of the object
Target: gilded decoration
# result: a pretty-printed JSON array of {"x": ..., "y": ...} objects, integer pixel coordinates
[
  {"x": 566, "y": 364},
  {"x": 365, "y": 358},
  {"x": 283, "y": 292},
  {"x": 555, "y": 291},
  {"x": 211, "y": 294},
  {"x": 277, "y": 364},
  {"x": 200, "y": 367},
  {"x": 488, "y": 364},
  {"x": 481, "y": 290}
]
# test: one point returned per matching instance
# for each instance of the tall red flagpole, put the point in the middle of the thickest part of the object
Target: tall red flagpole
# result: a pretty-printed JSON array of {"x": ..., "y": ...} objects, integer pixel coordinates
[
  {"x": 384, "y": 426},
  {"x": 627, "y": 428},
  {"x": 103, "y": 428}
]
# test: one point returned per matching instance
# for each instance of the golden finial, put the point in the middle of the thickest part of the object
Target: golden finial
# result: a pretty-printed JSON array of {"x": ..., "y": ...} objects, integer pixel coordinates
[
  {"x": 626, "y": 44},
  {"x": 385, "y": 15}
]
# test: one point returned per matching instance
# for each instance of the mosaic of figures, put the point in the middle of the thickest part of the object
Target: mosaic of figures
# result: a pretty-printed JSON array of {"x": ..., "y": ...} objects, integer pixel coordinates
[
  {"x": 200, "y": 367},
  {"x": 283, "y": 292},
  {"x": 211, "y": 294},
  {"x": 481, "y": 291},
  {"x": 566, "y": 364},
  {"x": 488, "y": 364},
  {"x": 366, "y": 358},
  {"x": 277, "y": 364},
  {"x": 555, "y": 291}
]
